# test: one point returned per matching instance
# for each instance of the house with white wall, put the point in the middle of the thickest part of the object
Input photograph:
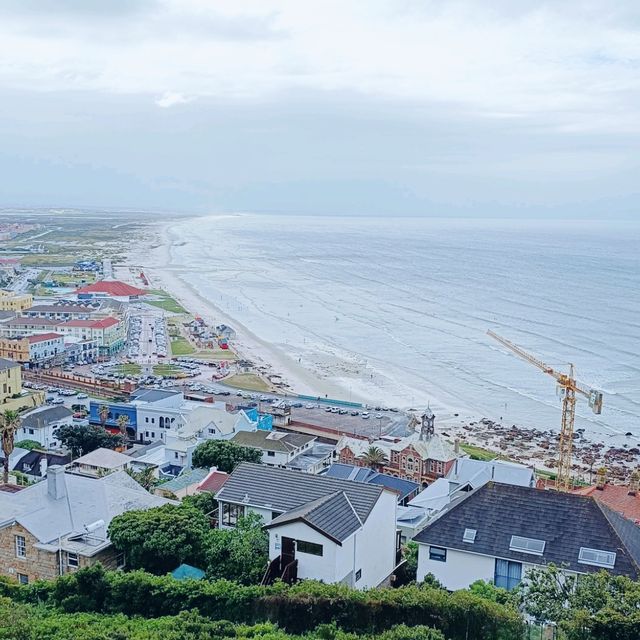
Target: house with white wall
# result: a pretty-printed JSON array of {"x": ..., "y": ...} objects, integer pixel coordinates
[
  {"x": 278, "y": 448},
  {"x": 41, "y": 425},
  {"x": 320, "y": 528},
  {"x": 499, "y": 532}
]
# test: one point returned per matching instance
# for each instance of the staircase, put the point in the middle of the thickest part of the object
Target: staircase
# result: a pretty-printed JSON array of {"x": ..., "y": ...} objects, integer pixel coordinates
[{"x": 280, "y": 569}]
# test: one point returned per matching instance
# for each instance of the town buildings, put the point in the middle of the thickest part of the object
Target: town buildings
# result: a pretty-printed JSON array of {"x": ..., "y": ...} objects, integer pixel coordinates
[
  {"x": 421, "y": 457},
  {"x": 319, "y": 528},
  {"x": 109, "y": 333},
  {"x": 499, "y": 531},
  {"x": 109, "y": 289},
  {"x": 60, "y": 525},
  {"x": 60, "y": 311},
  {"x": 278, "y": 448},
  {"x": 11, "y": 301},
  {"x": 33, "y": 350},
  {"x": 41, "y": 425}
]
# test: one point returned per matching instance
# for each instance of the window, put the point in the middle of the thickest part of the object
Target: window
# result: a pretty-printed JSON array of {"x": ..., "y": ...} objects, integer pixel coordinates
[
  {"x": 311, "y": 548},
  {"x": 31, "y": 432},
  {"x": 23, "y": 578},
  {"x": 21, "y": 547},
  {"x": 597, "y": 557},
  {"x": 212, "y": 430},
  {"x": 358, "y": 574},
  {"x": 146, "y": 419},
  {"x": 120, "y": 561},
  {"x": 72, "y": 560},
  {"x": 438, "y": 553},
  {"x": 231, "y": 513},
  {"x": 527, "y": 545},
  {"x": 469, "y": 535},
  {"x": 508, "y": 574},
  {"x": 271, "y": 454}
]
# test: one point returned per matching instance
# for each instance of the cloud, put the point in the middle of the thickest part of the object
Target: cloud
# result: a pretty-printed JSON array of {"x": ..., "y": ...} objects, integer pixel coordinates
[{"x": 170, "y": 99}]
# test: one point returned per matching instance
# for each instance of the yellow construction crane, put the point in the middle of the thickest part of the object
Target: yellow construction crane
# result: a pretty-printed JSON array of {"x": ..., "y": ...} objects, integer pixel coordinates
[{"x": 569, "y": 387}]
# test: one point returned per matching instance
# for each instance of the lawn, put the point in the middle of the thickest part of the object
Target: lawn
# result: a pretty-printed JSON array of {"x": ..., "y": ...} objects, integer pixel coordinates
[
  {"x": 167, "y": 370},
  {"x": 181, "y": 347},
  {"x": 165, "y": 302},
  {"x": 128, "y": 369},
  {"x": 478, "y": 453},
  {"x": 249, "y": 381}
]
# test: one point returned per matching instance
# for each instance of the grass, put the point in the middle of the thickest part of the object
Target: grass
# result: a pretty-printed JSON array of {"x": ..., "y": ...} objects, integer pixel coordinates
[
  {"x": 181, "y": 347},
  {"x": 248, "y": 381},
  {"x": 215, "y": 354},
  {"x": 166, "y": 370},
  {"x": 478, "y": 453},
  {"x": 128, "y": 369},
  {"x": 47, "y": 260},
  {"x": 165, "y": 302}
]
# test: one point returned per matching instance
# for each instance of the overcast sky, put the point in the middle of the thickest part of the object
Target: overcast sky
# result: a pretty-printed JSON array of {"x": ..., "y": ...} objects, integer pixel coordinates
[{"x": 407, "y": 107}]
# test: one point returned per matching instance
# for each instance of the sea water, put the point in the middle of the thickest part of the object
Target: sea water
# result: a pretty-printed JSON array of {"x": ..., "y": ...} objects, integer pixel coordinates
[{"x": 402, "y": 305}]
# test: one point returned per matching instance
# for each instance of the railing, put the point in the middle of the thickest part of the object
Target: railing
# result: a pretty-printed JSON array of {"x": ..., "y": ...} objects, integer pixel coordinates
[
  {"x": 290, "y": 573},
  {"x": 272, "y": 572}
]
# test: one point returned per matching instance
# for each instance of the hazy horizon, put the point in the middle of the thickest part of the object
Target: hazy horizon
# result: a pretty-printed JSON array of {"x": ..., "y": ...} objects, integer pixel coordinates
[{"x": 430, "y": 108}]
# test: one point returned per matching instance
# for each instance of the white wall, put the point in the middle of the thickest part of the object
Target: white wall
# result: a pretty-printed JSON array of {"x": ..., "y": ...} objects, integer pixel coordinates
[
  {"x": 45, "y": 435},
  {"x": 310, "y": 567}
]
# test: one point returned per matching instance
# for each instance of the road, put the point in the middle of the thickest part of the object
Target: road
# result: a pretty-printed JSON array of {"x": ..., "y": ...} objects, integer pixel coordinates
[{"x": 21, "y": 282}]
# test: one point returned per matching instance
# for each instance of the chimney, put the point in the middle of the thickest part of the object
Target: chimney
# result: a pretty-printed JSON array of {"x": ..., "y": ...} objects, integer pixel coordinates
[
  {"x": 56, "y": 485},
  {"x": 212, "y": 470},
  {"x": 634, "y": 483},
  {"x": 456, "y": 445},
  {"x": 601, "y": 479}
]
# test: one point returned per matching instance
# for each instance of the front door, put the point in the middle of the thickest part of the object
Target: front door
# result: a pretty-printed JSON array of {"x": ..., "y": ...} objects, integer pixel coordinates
[{"x": 288, "y": 551}]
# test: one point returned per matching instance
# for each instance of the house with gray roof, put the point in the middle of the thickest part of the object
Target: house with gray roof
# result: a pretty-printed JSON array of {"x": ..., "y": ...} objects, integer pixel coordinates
[
  {"x": 41, "y": 425},
  {"x": 59, "y": 525},
  {"x": 278, "y": 448},
  {"x": 320, "y": 528},
  {"x": 498, "y": 532}
]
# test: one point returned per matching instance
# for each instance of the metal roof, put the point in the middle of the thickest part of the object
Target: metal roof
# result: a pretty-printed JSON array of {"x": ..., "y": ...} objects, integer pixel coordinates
[
  {"x": 8, "y": 364},
  {"x": 284, "y": 489},
  {"x": 271, "y": 440},
  {"x": 402, "y": 487},
  {"x": 44, "y": 416},
  {"x": 565, "y": 522}
]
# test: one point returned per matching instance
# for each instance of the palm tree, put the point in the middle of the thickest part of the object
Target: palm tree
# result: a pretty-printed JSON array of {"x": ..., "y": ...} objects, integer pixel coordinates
[
  {"x": 374, "y": 457},
  {"x": 9, "y": 423},
  {"x": 122, "y": 422},
  {"x": 103, "y": 414}
]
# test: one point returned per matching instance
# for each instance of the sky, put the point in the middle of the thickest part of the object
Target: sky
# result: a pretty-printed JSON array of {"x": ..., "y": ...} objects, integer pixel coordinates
[{"x": 499, "y": 108}]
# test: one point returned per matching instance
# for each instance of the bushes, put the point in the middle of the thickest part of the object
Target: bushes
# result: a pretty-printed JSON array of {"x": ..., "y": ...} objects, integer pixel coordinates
[{"x": 298, "y": 609}]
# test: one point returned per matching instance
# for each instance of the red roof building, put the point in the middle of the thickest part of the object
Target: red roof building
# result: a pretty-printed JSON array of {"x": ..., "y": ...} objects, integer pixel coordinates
[
  {"x": 214, "y": 481},
  {"x": 110, "y": 288},
  {"x": 104, "y": 323},
  {"x": 42, "y": 337},
  {"x": 617, "y": 497}
]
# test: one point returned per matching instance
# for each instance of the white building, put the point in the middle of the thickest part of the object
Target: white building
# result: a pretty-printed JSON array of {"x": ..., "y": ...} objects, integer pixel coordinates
[
  {"x": 278, "y": 448},
  {"x": 320, "y": 528},
  {"x": 41, "y": 425},
  {"x": 499, "y": 531},
  {"x": 100, "y": 462}
]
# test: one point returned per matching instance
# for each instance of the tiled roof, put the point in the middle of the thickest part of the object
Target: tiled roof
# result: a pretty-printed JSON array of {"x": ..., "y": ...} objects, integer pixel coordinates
[
  {"x": 105, "y": 323},
  {"x": 616, "y": 497},
  {"x": 214, "y": 481},
  {"x": 284, "y": 490},
  {"x": 565, "y": 522},
  {"x": 42, "y": 337},
  {"x": 112, "y": 288},
  {"x": 332, "y": 515}
]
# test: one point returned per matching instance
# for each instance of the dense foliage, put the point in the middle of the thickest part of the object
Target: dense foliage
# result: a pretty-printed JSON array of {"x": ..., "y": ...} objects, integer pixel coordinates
[
  {"x": 28, "y": 444},
  {"x": 82, "y": 439},
  {"x": 298, "y": 609},
  {"x": 159, "y": 539},
  {"x": 224, "y": 455}
]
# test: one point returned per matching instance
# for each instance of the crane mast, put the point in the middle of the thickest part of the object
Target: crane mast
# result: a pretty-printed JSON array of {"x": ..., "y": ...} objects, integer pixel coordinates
[{"x": 569, "y": 387}]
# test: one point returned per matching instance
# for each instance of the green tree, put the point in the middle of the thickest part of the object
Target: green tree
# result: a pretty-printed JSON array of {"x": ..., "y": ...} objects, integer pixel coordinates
[
  {"x": 81, "y": 439},
  {"x": 144, "y": 478},
  {"x": 160, "y": 539},
  {"x": 224, "y": 455},
  {"x": 239, "y": 554},
  {"x": 374, "y": 457},
  {"x": 408, "y": 570},
  {"x": 103, "y": 414},
  {"x": 9, "y": 424},
  {"x": 204, "y": 502},
  {"x": 489, "y": 591},
  {"x": 28, "y": 444},
  {"x": 122, "y": 422}
]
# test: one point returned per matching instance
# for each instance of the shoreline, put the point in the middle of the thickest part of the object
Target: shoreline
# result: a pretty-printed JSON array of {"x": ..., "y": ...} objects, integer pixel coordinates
[{"x": 531, "y": 446}]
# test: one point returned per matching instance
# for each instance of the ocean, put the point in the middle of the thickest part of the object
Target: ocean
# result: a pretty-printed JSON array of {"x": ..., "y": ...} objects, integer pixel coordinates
[{"x": 398, "y": 308}]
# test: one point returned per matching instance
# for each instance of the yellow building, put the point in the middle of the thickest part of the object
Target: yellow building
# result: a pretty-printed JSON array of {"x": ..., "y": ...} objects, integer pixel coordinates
[
  {"x": 10, "y": 380},
  {"x": 10, "y": 301},
  {"x": 15, "y": 349}
]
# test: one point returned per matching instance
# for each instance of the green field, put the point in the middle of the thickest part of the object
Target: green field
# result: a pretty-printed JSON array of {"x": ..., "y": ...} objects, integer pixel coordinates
[
  {"x": 165, "y": 302},
  {"x": 128, "y": 369},
  {"x": 478, "y": 453},
  {"x": 248, "y": 381},
  {"x": 166, "y": 370},
  {"x": 181, "y": 347}
]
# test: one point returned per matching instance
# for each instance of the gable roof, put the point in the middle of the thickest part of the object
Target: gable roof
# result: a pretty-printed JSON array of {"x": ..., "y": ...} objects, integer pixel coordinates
[
  {"x": 332, "y": 515},
  {"x": 30, "y": 462},
  {"x": 565, "y": 522},
  {"x": 112, "y": 288},
  {"x": 284, "y": 490},
  {"x": 362, "y": 474},
  {"x": 46, "y": 415},
  {"x": 616, "y": 497},
  {"x": 102, "y": 457},
  {"x": 477, "y": 472},
  {"x": 104, "y": 323},
  {"x": 272, "y": 440},
  {"x": 8, "y": 364},
  {"x": 213, "y": 481}
]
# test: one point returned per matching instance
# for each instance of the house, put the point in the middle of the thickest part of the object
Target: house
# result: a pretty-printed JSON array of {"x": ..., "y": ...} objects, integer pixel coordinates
[
  {"x": 33, "y": 349},
  {"x": 186, "y": 483},
  {"x": 18, "y": 327},
  {"x": 336, "y": 531},
  {"x": 115, "y": 411},
  {"x": 80, "y": 350},
  {"x": 12, "y": 301},
  {"x": 109, "y": 332},
  {"x": 624, "y": 499},
  {"x": 41, "y": 425},
  {"x": 213, "y": 481},
  {"x": 499, "y": 531},
  {"x": 421, "y": 457},
  {"x": 278, "y": 448},
  {"x": 61, "y": 312},
  {"x": 34, "y": 464},
  {"x": 10, "y": 381},
  {"x": 109, "y": 289},
  {"x": 404, "y": 489},
  {"x": 100, "y": 462},
  {"x": 60, "y": 525},
  {"x": 226, "y": 332}
]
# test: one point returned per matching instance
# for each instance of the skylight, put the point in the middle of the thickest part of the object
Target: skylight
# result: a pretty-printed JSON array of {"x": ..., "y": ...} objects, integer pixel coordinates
[
  {"x": 597, "y": 557},
  {"x": 469, "y": 535},
  {"x": 527, "y": 545}
]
